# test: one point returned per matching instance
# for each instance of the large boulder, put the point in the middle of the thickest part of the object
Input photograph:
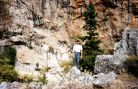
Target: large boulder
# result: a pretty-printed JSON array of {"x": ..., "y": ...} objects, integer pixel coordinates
[
  {"x": 4, "y": 85},
  {"x": 104, "y": 80},
  {"x": 86, "y": 79},
  {"x": 74, "y": 73},
  {"x": 108, "y": 63},
  {"x": 128, "y": 45},
  {"x": 15, "y": 85}
]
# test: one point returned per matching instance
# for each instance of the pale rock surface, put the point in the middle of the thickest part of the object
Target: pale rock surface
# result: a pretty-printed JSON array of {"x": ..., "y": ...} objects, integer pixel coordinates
[
  {"x": 74, "y": 73},
  {"x": 128, "y": 45},
  {"x": 4, "y": 85},
  {"x": 104, "y": 80},
  {"x": 108, "y": 63}
]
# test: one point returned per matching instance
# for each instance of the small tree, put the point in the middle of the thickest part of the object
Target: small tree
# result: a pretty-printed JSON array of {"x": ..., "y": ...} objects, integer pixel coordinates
[{"x": 91, "y": 47}]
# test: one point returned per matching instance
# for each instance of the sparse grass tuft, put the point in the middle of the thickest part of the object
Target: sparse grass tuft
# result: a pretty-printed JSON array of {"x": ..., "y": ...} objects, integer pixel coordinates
[
  {"x": 66, "y": 65},
  {"x": 132, "y": 65},
  {"x": 132, "y": 58}
]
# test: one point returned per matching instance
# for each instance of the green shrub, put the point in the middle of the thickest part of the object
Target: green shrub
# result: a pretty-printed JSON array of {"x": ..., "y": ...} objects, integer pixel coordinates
[
  {"x": 7, "y": 73},
  {"x": 3, "y": 60},
  {"x": 8, "y": 56},
  {"x": 11, "y": 55}
]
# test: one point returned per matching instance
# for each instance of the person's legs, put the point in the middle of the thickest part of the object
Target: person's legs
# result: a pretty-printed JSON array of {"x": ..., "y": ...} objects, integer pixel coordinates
[{"x": 76, "y": 59}]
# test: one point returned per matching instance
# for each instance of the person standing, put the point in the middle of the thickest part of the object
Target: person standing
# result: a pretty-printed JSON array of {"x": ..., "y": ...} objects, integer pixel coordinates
[{"x": 77, "y": 51}]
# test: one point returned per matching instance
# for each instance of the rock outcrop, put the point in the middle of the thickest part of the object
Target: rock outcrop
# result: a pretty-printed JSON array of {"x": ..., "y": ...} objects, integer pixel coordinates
[
  {"x": 127, "y": 46},
  {"x": 108, "y": 63}
]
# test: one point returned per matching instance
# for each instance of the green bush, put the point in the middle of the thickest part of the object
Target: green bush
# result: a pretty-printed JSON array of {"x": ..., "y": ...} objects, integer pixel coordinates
[
  {"x": 3, "y": 60},
  {"x": 8, "y": 56},
  {"x": 11, "y": 55},
  {"x": 7, "y": 59},
  {"x": 7, "y": 73}
]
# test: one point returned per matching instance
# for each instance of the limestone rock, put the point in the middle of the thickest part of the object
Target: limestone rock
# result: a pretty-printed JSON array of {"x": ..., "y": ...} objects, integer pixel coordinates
[
  {"x": 4, "y": 85},
  {"x": 128, "y": 44},
  {"x": 74, "y": 73},
  {"x": 87, "y": 80},
  {"x": 108, "y": 63},
  {"x": 103, "y": 80},
  {"x": 15, "y": 85}
]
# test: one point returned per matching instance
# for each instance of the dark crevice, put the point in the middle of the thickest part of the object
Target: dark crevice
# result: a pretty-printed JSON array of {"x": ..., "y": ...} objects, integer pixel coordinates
[
  {"x": 129, "y": 46},
  {"x": 110, "y": 3},
  {"x": 18, "y": 43}
]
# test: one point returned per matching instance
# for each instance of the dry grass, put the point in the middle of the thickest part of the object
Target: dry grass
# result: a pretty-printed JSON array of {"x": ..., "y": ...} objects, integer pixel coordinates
[
  {"x": 132, "y": 65},
  {"x": 132, "y": 58},
  {"x": 66, "y": 65},
  {"x": 124, "y": 81}
]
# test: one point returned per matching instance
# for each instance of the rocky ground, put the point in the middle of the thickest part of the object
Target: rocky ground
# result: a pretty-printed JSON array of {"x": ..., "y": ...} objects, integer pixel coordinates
[{"x": 43, "y": 32}]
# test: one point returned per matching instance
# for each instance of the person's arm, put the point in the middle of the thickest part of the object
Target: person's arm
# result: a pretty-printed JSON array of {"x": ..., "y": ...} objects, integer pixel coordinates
[
  {"x": 81, "y": 52},
  {"x": 73, "y": 50}
]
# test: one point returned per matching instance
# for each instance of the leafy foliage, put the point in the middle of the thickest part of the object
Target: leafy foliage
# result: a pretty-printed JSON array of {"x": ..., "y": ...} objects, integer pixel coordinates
[
  {"x": 8, "y": 56},
  {"x": 11, "y": 54},
  {"x": 7, "y": 71},
  {"x": 91, "y": 46}
]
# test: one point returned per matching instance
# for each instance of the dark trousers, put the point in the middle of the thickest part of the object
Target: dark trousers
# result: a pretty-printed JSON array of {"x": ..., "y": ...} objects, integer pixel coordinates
[{"x": 76, "y": 59}]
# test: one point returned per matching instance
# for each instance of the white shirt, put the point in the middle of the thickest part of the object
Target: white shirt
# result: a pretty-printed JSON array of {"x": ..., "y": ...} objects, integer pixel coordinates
[{"x": 77, "y": 48}]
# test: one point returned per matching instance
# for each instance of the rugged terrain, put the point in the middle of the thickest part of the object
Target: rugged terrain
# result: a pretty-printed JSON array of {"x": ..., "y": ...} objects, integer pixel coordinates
[{"x": 43, "y": 31}]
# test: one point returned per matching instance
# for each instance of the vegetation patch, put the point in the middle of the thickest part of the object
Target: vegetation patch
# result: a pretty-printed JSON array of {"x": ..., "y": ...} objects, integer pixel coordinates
[
  {"x": 8, "y": 73},
  {"x": 132, "y": 65},
  {"x": 7, "y": 60},
  {"x": 66, "y": 65}
]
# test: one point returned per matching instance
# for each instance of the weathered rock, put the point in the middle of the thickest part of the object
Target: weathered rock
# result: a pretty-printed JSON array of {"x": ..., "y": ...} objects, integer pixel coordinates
[
  {"x": 117, "y": 84},
  {"x": 25, "y": 86},
  {"x": 87, "y": 80},
  {"x": 128, "y": 45},
  {"x": 4, "y": 85},
  {"x": 14, "y": 85},
  {"x": 103, "y": 80},
  {"x": 74, "y": 85},
  {"x": 74, "y": 73},
  {"x": 5, "y": 42},
  {"x": 108, "y": 63},
  {"x": 35, "y": 85}
]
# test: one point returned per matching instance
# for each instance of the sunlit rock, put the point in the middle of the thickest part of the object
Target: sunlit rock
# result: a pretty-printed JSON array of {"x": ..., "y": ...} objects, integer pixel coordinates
[
  {"x": 4, "y": 85},
  {"x": 74, "y": 73},
  {"x": 128, "y": 45},
  {"x": 104, "y": 80},
  {"x": 108, "y": 63}
]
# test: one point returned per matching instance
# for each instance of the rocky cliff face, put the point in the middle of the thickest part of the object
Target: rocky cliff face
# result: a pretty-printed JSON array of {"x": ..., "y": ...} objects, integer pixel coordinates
[
  {"x": 42, "y": 32},
  {"x": 113, "y": 17}
]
